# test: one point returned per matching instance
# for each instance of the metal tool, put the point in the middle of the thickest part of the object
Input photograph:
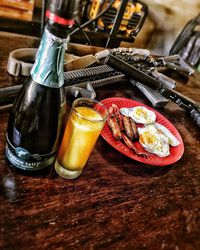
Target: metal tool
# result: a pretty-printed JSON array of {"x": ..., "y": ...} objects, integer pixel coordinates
[
  {"x": 156, "y": 99},
  {"x": 184, "y": 102},
  {"x": 88, "y": 72},
  {"x": 103, "y": 75},
  {"x": 77, "y": 83},
  {"x": 132, "y": 71},
  {"x": 176, "y": 63}
]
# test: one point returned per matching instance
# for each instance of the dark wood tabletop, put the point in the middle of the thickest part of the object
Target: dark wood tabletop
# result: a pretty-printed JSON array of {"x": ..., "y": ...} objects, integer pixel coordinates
[{"x": 117, "y": 203}]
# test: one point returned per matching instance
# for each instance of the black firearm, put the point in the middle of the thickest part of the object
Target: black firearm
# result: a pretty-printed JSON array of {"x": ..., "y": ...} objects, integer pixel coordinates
[
  {"x": 77, "y": 83},
  {"x": 81, "y": 82},
  {"x": 145, "y": 72}
]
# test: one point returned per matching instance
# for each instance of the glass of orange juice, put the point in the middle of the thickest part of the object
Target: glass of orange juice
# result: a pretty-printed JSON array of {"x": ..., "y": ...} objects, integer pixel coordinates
[{"x": 86, "y": 120}]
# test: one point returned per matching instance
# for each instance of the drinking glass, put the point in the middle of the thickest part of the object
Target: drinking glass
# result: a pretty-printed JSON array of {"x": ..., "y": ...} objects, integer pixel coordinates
[{"x": 86, "y": 120}]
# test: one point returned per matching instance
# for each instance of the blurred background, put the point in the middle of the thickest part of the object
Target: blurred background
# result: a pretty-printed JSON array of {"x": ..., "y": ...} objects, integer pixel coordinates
[{"x": 151, "y": 24}]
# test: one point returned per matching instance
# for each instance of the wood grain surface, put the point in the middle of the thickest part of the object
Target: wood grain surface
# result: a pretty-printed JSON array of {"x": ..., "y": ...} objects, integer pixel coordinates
[
  {"x": 116, "y": 203},
  {"x": 22, "y": 9}
]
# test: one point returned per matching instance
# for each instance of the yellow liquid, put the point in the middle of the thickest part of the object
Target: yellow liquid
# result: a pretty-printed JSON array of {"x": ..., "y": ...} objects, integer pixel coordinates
[{"x": 79, "y": 138}]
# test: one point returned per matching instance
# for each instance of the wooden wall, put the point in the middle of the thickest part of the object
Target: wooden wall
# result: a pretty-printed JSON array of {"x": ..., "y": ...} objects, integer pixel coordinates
[{"x": 17, "y": 9}]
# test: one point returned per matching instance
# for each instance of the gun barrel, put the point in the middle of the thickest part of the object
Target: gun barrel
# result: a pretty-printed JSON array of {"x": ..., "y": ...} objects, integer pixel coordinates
[{"x": 132, "y": 72}]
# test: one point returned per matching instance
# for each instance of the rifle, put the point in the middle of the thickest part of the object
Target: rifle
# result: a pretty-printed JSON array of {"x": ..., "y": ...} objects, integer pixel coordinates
[
  {"x": 81, "y": 82},
  {"x": 77, "y": 83},
  {"x": 145, "y": 71}
]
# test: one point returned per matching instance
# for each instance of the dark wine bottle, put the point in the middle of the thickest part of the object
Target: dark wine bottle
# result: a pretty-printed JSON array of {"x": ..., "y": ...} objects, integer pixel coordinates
[{"x": 36, "y": 119}]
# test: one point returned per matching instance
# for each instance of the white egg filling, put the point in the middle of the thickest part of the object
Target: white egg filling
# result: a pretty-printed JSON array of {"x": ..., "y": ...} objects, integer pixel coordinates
[
  {"x": 154, "y": 137},
  {"x": 172, "y": 139},
  {"x": 139, "y": 114},
  {"x": 153, "y": 141}
]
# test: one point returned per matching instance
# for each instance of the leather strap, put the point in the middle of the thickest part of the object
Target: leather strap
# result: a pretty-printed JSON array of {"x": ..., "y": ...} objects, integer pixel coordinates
[{"x": 20, "y": 61}]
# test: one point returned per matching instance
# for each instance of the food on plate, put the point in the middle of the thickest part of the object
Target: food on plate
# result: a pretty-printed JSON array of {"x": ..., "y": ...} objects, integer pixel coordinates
[
  {"x": 131, "y": 145},
  {"x": 117, "y": 114},
  {"x": 113, "y": 124},
  {"x": 134, "y": 128},
  {"x": 139, "y": 114},
  {"x": 123, "y": 128},
  {"x": 172, "y": 139},
  {"x": 154, "y": 141},
  {"x": 128, "y": 127},
  {"x": 125, "y": 124}
]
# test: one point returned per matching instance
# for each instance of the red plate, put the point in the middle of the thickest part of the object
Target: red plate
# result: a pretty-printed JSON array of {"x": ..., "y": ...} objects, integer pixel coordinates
[{"x": 175, "y": 152}]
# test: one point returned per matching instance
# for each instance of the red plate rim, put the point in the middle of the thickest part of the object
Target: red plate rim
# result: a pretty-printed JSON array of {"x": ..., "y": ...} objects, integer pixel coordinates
[{"x": 175, "y": 152}]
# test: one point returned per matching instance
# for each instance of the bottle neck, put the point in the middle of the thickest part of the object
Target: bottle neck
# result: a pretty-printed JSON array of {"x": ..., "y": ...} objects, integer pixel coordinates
[
  {"x": 57, "y": 25},
  {"x": 48, "y": 67}
]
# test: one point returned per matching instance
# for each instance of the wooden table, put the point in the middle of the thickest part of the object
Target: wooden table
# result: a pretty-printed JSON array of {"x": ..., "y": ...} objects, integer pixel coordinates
[{"x": 117, "y": 203}]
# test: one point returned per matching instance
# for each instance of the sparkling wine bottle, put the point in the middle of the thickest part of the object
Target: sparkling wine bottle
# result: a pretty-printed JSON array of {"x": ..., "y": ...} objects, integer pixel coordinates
[{"x": 35, "y": 122}]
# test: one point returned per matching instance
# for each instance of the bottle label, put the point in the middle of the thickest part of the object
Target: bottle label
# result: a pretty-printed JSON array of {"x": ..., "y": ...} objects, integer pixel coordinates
[
  {"x": 21, "y": 158},
  {"x": 48, "y": 67}
]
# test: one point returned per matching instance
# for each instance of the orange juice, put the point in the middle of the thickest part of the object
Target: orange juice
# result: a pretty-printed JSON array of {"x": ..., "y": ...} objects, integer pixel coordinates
[{"x": 83, "y": 128}]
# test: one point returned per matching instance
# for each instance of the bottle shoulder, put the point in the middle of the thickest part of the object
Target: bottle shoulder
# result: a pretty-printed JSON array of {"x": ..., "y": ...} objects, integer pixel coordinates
[{"x": 34, "y": 99}]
